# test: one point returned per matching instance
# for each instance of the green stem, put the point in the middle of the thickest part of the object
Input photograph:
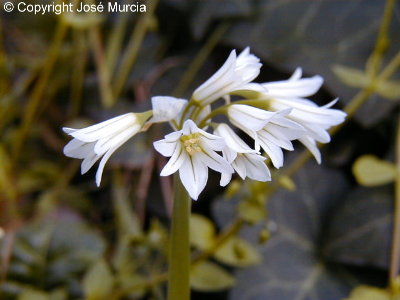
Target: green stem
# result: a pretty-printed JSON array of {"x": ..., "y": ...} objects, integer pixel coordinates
[
  {"x": 395, "y": 257},
  {"x": 107, "y": 98},
  {"x": 382, "y": 42},
  {"x": 39, "y": 89},
  {"x": 132, "y": 50},
  {"x": 218, "y": 111},
  {"x": 179, "y": 247},
  {"x": 116, "y": 40}
]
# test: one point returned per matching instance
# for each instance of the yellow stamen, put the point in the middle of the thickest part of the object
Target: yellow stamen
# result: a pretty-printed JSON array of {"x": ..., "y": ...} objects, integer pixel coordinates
[{"x": 192, "y": 143}]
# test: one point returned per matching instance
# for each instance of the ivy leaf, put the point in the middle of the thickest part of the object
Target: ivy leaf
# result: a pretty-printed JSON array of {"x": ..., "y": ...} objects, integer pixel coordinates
[
  {"x": 30, "y": 294},
  {"x": 209, "y": 277},
  {"x": 357, "y": 78},
  {"x": 290, "y": 255},
  {"x": 60, "y": 245},
  {"x": 364, "y": 292},
  {"x": 202, "y": 232},
  {"x": 360, "y": 230},
  {"x": 369, "y": 170},
  {"x": 237, "y": 252},
  {"x": 292, "y": 33},
  {"x": 98, "y": 281}
]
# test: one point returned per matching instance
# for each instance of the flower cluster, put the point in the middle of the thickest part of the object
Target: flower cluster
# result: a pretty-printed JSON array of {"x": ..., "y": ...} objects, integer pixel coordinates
[{"x": 273, "y": 114}]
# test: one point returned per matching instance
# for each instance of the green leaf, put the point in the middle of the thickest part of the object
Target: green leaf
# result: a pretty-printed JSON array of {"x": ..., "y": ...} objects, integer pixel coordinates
[
  {"x": 357, "y": 78},
  {"x": 360, "y": 230},
  {"x": 98, "y": 281},
  {"x": 128, "y": 221},
  {"x": 202, "y": 232},
  {"x": 59, "y": 245},
  {"x": 389, "y": 89},
  {"x": 237, "y": 252},
  {"x": 364, "y": 292},
  {"x": 209, "y": 277},
  {"x": 351, "y": 76},
  {"x": 252, "y": 212},
  {"x": 369, "y": 170},
  {"x": 133, "y": 283},
  {"x": 290, "y": 268},
  {"x": 30, "y": 294}
]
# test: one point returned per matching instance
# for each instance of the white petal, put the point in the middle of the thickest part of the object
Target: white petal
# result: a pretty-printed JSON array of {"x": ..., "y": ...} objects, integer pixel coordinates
[
  {"x": 104, "y": 129},
  {"x": 296, "y": 74},
  {"x": 68, "y": 130},
  {"x": 78, "y": 149},
  {"x": 213, "y": 160},
  {"x": 193, "y": 174},
  {"x": 274, "y": 152},
  {"x": 245, "y": 116},
  {"x": 225, "y": 179},
  {"x": 216, "y": 80},
  {"x": 240, "y": 166},
  {"x": 294, "y": 88},
  {"x": 201, "y": 172},
  {"x": 229, "y": 154},
  {"x": 122, "y": 138},
  {"x": 88, "y": 162},
  {"x": 103, "y": 145},
  {"x": 312, "y": 147},
  {"x": 176, "y": 161},
  {"x": 268, "y": 134},
  {"x": 189, "y": 127},
  {"x": 164, "y": 147},
  {"x": 232, "y": 140},
  {"x": 256, "y": 168},
  {"x": 173, "y": 136},
  {"x": 166, "y": 108}
]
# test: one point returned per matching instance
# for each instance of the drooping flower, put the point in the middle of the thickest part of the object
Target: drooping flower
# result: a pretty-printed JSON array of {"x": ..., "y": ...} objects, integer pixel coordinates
[
  {"x": 288, "y": 94},
  {"x": 102, "y": 140},
  {"x": 273, "y": 114},
  {"x": 192, "y": 152},
  {"x": 271, "y": 131},
  {"x": 235, "y": 73},
  {"x": 166, "y": 108},
  {"x": 245, "y": 161}
]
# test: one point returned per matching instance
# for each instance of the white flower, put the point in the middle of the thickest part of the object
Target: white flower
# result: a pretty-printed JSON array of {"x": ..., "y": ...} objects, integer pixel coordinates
[
  {"x": 103, "y": 139},
  {"x": 270, "y": 130},
  {"x": 288, "y": 94},
  {"x": 235, "y": 74},
  {"x": 166, "y": 108},
  {"x": 192, "y": 152},
  {"x": 246, "y": 162}
]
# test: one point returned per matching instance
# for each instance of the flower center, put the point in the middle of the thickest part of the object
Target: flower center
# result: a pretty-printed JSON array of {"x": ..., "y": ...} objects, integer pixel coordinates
[{"x": 192, "y": 143}]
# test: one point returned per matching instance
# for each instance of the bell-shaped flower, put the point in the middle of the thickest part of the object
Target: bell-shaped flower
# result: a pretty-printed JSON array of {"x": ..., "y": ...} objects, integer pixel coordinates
[
  {"x": 192, "y": 152},
  {"x": 166, "y": 108},
  {"x": 245, "y": 161},
  {"x": 102, "y": 140},
  {"x": 316, "y": 120},
  {"x": 235, "y": 74},
  {"x": 271, "y": 131}
]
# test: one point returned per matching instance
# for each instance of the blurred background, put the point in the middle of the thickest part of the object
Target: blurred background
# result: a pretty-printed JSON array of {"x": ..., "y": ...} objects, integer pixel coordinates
[{"x": 315, "y": 232}]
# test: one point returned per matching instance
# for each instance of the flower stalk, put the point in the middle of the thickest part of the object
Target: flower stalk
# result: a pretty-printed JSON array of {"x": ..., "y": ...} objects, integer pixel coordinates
[
  {"x": 395, "y": 258},
  {"x": 179, "y": 248}
]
